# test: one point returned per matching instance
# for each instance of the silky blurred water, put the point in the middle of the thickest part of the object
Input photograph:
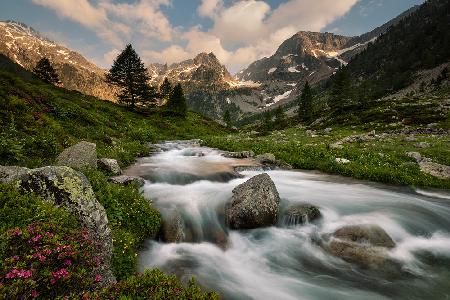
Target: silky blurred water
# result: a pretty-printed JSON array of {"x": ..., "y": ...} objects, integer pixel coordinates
[{"x": 283, "y": 262}]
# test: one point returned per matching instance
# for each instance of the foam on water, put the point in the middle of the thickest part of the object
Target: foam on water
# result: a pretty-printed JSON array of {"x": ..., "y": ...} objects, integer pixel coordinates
[{"x": 285, "y": 262}]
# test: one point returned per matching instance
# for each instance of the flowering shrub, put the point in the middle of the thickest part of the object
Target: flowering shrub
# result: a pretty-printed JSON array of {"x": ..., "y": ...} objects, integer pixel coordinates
[
  {"x": 47, "y": 261},
  {"x": 153, "y": 284}
]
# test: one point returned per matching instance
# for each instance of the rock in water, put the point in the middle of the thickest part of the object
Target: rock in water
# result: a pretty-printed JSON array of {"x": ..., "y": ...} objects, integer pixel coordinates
[
  {"x": 300, "y": 214},
  {"x": 172, "y": 227},
  {"x": 71, "y": 190},
  {"x": 372, "y": 234},
  {"x": 110, "y": 165},
  {"x": 79, "y": 156},
  {"x": 365, "y": 246},
  {"x": 254, "y": 204}
]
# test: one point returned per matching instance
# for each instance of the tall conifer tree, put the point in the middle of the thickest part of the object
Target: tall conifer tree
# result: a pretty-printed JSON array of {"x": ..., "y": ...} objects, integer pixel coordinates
[
  {"x": 130, "y": 75},
  {"x": 45, "y": 71}
]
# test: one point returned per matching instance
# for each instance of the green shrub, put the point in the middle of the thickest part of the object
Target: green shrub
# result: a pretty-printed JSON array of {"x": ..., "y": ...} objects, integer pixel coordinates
[
  {"x": 153, "y": 284},
  {"x": 18, "y": 209},
  {"x": 131, "y": 217}
]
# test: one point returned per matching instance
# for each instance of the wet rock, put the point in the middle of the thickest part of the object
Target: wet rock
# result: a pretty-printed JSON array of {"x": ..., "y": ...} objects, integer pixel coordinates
[
  {"x": 435, "y": 169},
  {"x": 267, "y": 159},
  {"x": 71, "y": 190},
  {"x": 110, "y": 165},
  {"x": 364, "y": 245},
  {"x": 79, "y": 156},
  {"x": 300, "y": 214},
  {"x": 372, "y": 234},
  {"x": 172, "y": 227},
  {"x": 11, "y": 173},
  {"x": 126, "y": 180},
  {"x": 254, "y": 204},
  {"x": 241, "y": 154}
]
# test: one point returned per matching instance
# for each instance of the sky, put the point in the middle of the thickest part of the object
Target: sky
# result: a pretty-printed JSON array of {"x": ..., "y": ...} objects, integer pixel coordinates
[{"x": 167, "y": 31}]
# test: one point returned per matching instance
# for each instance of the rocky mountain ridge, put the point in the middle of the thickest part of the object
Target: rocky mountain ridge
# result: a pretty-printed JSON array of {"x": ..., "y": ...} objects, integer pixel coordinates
[{"x": 25, "y": 46}]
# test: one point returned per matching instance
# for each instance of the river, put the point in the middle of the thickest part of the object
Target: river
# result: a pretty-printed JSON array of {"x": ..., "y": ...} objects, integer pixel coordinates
[{"x": 284, "y": 262}]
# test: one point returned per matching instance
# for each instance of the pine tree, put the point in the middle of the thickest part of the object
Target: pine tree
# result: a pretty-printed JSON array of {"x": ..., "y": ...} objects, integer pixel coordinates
[
  {"x": 227, "y": 118},
  {"x": 45, "y": 71},
  {"x": 280, "y": 118},
  {"x": 305, "y": 104},
  {"x": 165, "y": 89},
  {"x": 130, "y": 75},
  {"x": 341, "y": 89},
  {"x": 267, "y": 124},
  {"x": 177, "y": 102}
]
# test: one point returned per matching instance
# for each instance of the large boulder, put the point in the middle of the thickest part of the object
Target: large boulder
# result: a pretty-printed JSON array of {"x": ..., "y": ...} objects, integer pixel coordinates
[
  {"x": 172, "y": 230},
  {"x": 364, "y": 245},
  {"x": 71, "y": 190},
  {"x": 79, "y": 156},
  {"x": 10, "y": 173},
  {"x": 110, "y": 165},
  {"x": 254, "y": 204},
  {"x": 300, "y": 214}
]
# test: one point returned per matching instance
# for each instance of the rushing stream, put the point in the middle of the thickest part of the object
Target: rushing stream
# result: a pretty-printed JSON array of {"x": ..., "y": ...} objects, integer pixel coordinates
[{"x": 284, "y": 262}]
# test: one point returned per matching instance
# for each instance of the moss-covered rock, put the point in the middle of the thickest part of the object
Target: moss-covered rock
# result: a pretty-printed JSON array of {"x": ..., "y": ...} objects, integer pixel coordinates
[
  {"x": 79, "y": 156},
  {"x": 71, "y": 190}
]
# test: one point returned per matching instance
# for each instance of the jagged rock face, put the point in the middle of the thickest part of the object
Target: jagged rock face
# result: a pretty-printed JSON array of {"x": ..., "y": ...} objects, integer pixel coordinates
[
  {"x": 204, "y": 72},
  {"x": 26, "y": 47},
  {"x": 309, "y": 55}
]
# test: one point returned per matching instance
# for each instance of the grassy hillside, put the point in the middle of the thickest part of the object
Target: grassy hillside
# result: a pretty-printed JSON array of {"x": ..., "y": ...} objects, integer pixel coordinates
[{"x": 37, "y": 121}]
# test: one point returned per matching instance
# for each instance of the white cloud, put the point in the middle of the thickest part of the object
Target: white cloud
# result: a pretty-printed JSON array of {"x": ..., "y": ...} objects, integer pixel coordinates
[
  {"x": 242, "y": 30},
  {"x": 210, "y": 8}
]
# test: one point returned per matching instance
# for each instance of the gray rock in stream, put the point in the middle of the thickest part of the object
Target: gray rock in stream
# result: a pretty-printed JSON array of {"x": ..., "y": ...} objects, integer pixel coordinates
[
  {"x": 172, "y": 230},
  {"x": 254, "y": 204},
  {"x": 300, "y": 214},
  {"x": 365, "y": 245}
]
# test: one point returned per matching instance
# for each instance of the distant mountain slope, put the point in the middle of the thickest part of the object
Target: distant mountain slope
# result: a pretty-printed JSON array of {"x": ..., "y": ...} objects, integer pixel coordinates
[
  {"x": 307, "y": 56},
  {"x": 417, "y": 42},
  {"x": 26, "y": 47}
]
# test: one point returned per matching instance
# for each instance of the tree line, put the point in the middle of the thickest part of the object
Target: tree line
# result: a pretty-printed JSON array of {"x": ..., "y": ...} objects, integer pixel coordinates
[{"x": 129, "y": 75}]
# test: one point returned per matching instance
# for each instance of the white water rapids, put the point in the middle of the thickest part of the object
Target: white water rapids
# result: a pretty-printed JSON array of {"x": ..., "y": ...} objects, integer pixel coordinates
[{"x": 283, "y": 262}]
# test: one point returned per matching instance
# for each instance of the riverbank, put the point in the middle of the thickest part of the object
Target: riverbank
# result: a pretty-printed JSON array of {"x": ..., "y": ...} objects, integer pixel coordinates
[{"x": 383, "y": 155}]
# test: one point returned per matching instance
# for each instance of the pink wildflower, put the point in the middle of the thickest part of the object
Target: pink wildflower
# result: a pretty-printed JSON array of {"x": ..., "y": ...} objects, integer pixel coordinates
[
  {"x": 16, "y": 232},
  {"x": 19, "y": 273},
  {"x": 68, "y": 262},
  {"x": 34, "y": 294},
  {"x": 98, "y": 278},
  {"x": 39, "y": 256}
]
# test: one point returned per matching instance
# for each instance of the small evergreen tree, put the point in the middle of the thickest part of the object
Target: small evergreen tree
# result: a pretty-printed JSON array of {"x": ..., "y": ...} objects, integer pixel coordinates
[
  {"x": 305, "y": 104},
  {"x": 227, "y": 118},
  {"x": 280, "y": 118},
  {"x": 130, "y": 75},
  {"x": 165, "y": 89},
  {"x": 45, "y": 71},
  {"x": 177, "y": 102},
  {"x": 267, "y": 124},
  {"x": 341, "y": 89}
]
